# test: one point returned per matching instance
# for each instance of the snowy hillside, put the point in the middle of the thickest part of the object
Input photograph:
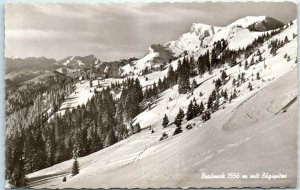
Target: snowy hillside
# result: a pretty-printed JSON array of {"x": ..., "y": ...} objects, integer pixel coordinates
[
  {"x": 263, "y": 115},
  {"x": 140, "y": 64}
]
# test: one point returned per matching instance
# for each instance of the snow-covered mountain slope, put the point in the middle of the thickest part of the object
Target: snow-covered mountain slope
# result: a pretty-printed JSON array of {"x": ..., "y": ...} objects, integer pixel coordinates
[
  {"x": 260, "y": 23},
  {"x": 229, "y": 142},
  {"x": 139, "y": 64},
  {"x": 240, "y": 137},
  {"x": 202, "y": 37},
  {"x": 155, "y": 59},
  {"x": 194, "y": 39}
]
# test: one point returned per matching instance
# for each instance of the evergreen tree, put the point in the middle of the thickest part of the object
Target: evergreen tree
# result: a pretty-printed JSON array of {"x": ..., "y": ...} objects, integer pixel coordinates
[
  {"x": 179, "y": 117},
  {"x": 273, "y": 50},
  {"x": 210, "y": 102},
  {"x": 233, "y": 82},
  {"x": 177, "y": 130},
  {"x": 223, "y": 76},
  {"x": 258, "y": 52},
  {"x": 250, "y": 86},
  {"x": 75, "y": 168},
  {"x": 286, "y": 40},
  {"x": 257, "y": 76},
  {"x": 194, "y": 84},
  {"x": 201, "y": 108},
  {"x": 165, "y": 121},
  {"x": 196, "y": 109},
  {"x": 171, "y": 76},
  {"x": 189, "y": 113},
  {"x": 252, "y": 61},
  {"x": 218, "y": 83},
  {"x": 137, "y": 128},
  {"x": 214, "y": 60},
  {"x": 110, "y": 138},
  {"x": 205, "y": 116},
  {"x": 246, "y": 65},
  {"x": 183, "y": 77},
  {"x": 225, "y": 95},
  {"x": 216, "y": 105},
  {"x": 207, "y": 61},
  {"x": 201, "y": 65}
]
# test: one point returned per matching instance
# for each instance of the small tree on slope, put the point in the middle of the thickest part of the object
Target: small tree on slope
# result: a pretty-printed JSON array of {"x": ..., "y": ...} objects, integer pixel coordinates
[
  {"x": 75, "y": 168},
  {"x": 189, "y": 113},
  {"x": 165, "y": 121},
  {"x": 179, "y": 117}
]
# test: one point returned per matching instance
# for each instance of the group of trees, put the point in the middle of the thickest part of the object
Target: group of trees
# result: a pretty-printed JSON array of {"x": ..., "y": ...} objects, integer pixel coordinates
[
  {"x": 194, "y": 109},
  {"x": 28, "y": 108},
  {"x": 101, "y": 122},
  {"x": 276, "y": 44}
]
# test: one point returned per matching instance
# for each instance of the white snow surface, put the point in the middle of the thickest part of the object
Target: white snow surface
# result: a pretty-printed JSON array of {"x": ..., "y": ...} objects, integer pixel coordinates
[
  {"x": 139, "y": 65},
  {"x": 256, "y": 132},
  {"x": 83, "y": 92},
  {"x": 247, "y": 21}
]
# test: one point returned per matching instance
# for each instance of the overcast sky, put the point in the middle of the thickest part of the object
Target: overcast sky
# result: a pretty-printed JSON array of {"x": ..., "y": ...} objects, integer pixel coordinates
[{"x": 115, "y": 31}]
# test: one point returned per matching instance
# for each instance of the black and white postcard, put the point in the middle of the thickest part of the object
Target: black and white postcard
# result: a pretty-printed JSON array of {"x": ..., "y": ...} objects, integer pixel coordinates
[{"x": 151, "y": 94}]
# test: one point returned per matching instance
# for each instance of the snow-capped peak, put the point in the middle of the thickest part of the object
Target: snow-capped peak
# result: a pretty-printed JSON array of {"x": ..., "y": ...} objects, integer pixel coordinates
[
  {"x": 204, "y": 29},
  {"x": 75, "y": 61},
  {"x": 247, "y": 21}
]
